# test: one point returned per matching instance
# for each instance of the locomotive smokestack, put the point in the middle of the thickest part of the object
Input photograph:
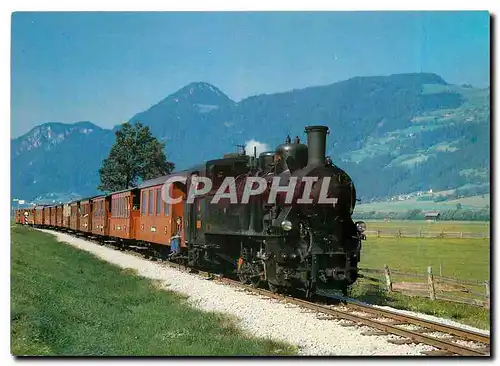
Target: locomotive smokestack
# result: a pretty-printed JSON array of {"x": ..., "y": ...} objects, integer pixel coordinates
[{"x": 316, "y": 144}]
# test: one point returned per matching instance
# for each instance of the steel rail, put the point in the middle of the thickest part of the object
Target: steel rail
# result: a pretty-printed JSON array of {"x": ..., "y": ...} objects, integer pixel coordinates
[
  {"x": 414, "y": 336},
  {"x": 429, "y": 324}
]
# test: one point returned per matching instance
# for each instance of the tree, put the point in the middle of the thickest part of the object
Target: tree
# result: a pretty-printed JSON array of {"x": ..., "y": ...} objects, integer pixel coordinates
[{"x": 136, "y": 155}]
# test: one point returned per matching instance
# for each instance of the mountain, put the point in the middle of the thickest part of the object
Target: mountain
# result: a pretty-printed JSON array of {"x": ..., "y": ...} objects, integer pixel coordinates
[
  {"x": 393, "y": 134},
  {"x": 55, "y": 161},
  {"x": 187, "y": 118}
]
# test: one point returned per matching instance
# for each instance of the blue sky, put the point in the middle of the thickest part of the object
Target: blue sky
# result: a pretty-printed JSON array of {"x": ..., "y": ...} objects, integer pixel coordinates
[{"x": 105, "y": 67}]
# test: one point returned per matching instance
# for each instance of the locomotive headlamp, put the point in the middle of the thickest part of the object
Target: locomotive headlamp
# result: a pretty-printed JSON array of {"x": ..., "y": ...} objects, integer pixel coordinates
[
  {"x": 361, "y": 226},
  {"x": 286, "y": 225}
]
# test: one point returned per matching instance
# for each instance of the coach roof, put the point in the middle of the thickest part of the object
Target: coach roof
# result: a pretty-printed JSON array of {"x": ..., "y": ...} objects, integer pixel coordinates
[{"x": 161, "y": 180}]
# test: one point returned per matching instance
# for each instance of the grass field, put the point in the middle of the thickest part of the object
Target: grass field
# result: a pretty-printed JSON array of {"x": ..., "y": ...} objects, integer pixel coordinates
[
  {"x": 471, "y": 203},
  {"x": 416, "y": 225},
  {"x": 67, "y": 302},
  {"x": 462, "y": 258}
]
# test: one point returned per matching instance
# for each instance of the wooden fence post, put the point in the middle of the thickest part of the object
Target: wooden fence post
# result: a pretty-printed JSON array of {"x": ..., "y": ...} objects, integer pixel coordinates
[
  {"x": 487, "y": 294},
  {"x": 378, "y": 233},
  {"x": 461, "y": 234},
  {"x": 388, "y": 280},
  {"x": 430, "y": 280}
]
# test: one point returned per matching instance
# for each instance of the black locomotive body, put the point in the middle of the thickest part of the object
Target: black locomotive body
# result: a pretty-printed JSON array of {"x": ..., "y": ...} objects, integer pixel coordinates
[{"x": 302, "y": 243}]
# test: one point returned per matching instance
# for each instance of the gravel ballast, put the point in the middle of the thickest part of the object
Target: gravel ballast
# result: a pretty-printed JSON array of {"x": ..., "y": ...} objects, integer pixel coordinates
[{"x": 258, "y": 316}]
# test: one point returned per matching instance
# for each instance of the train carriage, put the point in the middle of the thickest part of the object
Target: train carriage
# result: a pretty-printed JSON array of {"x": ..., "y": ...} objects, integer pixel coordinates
[
  {"x": 74, "y": 218},
  {"x": 124, "y": 214},
  {"x": 30, "y": 219},
  {"x": 18, "y": 214},
  {"x": 100, "y": 214},
  {"x": 160, "y": 221},
  {"x": 85, "y": 224},
  {"x": 66, "y": 215},
  {"x": 53, "y": 216},
  {"x": 59, "y": 215},
  {"x": 39, "y": 216},
  {"x": 46, "y": 215}
]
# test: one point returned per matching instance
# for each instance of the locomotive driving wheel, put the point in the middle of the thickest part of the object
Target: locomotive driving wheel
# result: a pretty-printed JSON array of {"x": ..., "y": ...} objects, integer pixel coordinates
[{"x": 248, "y": 274}]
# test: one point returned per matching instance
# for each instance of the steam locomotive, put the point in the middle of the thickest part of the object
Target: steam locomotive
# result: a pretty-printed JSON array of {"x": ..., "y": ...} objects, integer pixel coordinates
[{"x": 296, "y": 245}]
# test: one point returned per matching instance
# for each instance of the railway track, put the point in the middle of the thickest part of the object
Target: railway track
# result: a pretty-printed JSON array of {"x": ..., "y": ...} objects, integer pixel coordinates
[
  {"x": 385, "y": 322},
  {"x": 451, "y": 341}
]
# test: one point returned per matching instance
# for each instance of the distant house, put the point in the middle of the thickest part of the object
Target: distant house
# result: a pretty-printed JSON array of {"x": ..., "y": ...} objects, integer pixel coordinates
[{"x": 432, "y": 216}]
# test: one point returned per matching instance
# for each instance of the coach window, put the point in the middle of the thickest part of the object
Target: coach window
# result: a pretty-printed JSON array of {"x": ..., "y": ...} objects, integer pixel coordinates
[
  {"x": 136, "y": 201},
  {"x": 143, "y": 203},
  {"x": 127, "y": 206},
  {"x": 151, "y": 202},
  {"x": 165, "y": 208},
  {"x": 158, "y": 202}
]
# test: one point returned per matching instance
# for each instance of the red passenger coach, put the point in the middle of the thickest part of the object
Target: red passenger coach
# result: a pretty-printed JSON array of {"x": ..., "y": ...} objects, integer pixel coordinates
[
  {"x": 66, "y": 214},
  {"x": 100, "y": 211},
  {"x": 53, "y": 216},
  {"x": 39, "y": 216},
  {"x": 46, "y": 216},
  {"x": 18, "y": 216},
  {"x": 74, "y": 218},
  {"x": 86, "y": 215},
  {"x": 158, "y": 219},
  {"x": 59, "y": 215},
  {"x": 124, "y": 215},
  {"x": 31, "y": 216}
]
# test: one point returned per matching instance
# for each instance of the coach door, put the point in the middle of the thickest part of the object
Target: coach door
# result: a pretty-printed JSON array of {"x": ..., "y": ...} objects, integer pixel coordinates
[{"x": 190, "y": 231}]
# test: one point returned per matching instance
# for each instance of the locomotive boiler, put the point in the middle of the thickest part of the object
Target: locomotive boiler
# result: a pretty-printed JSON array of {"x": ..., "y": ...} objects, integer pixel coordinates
[{"x": 304, "y": 238}]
